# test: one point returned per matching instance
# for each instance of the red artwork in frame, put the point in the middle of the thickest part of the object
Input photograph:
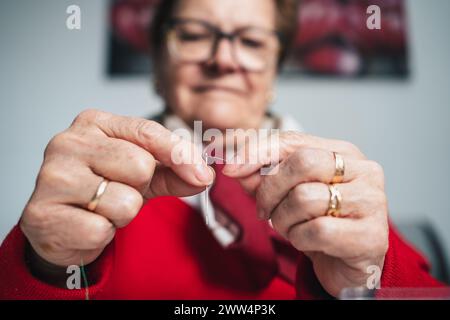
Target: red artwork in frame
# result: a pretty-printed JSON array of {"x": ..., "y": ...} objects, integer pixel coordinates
[{"x": 332, "y": 39}]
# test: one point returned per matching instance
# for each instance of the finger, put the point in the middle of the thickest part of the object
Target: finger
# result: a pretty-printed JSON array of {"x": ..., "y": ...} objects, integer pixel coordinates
[
  {"x": 308, "y": 201},
  {"x": 121, "y": 161},
  {"x": 251, "y": 183},
  {"x": 276, "y": 148},
  {"x": 120, "y": 204},
  {"x": 71, "y": 183},
  {"x": 342, "y": 238},
  {"x": 165, "y": 182},
  {"x": 66, "y": 181},
  {"x": 75, "y": 228},
  {"x": 168, "y": 148},
  {"x": 303, "y": 165},
  {"x": 77, "y": 186}
]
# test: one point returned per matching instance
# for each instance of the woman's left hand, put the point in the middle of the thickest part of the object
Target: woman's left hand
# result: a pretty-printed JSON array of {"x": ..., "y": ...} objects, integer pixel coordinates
[{"x": 296, "y": 200}]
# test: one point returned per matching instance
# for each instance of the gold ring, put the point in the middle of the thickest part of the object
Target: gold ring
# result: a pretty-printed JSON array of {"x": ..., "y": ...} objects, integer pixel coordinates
[
  {"x": 339, "y": 168},
  {"x": 334, "y": 207},
  {"x": 92, "y": 205}
]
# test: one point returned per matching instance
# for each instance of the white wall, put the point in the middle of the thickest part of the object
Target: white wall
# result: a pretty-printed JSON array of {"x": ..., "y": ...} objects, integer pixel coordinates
[{"x": 48, "y": 74}]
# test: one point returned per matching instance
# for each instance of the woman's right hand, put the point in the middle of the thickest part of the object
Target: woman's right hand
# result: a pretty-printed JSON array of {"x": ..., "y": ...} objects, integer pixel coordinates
[{"x": 134, "y": 154}]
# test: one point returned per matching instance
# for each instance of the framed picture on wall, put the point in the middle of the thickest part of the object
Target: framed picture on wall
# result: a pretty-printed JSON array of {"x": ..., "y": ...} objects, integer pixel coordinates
[{"x": 332, "y": 39}]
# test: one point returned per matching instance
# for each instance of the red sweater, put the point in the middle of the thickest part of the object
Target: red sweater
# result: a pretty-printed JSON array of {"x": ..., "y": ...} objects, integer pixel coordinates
[{"x": 167, "y": 252}]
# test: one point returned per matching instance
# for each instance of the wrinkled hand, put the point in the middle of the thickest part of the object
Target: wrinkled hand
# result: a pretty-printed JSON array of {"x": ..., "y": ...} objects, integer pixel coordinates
[
  {"x": 297, "y": 197},
  {"x": 134, "y": 154}
]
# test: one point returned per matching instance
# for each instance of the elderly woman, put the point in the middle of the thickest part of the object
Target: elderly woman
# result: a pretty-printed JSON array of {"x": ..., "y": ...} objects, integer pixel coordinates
[{"x": 110, "y": 197}]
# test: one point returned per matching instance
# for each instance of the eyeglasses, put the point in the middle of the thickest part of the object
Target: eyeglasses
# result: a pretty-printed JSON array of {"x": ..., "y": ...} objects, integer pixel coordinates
[{"x": 190, "y": 40}]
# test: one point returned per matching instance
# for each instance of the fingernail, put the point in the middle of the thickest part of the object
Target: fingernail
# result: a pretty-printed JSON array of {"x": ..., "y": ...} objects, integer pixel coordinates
[{"x": 204, "y": 174}]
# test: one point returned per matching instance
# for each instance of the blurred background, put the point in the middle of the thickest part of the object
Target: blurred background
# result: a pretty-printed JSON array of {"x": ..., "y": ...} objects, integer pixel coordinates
[
  {"x": 387, "y": 92},
  {"x": 332, "y": 39}
]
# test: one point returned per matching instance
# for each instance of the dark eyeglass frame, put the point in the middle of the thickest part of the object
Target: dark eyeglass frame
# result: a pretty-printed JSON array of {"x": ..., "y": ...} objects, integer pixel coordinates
[{"x": 218, "y": 33}]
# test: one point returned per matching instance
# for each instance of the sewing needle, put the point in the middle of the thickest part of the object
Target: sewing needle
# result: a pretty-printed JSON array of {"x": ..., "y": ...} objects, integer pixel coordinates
[{"x": 209, "y": 160}]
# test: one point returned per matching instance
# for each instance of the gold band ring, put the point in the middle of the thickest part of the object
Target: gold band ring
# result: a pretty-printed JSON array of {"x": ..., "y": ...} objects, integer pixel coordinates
[
  {"x": 339, "y": 168},
  {"x": 92, "y": 205},
  {"x": 334, "y": 206}
]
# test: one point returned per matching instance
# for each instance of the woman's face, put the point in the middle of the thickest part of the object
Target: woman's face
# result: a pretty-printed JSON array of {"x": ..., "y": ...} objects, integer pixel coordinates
[{"x": 220, "y": 92}]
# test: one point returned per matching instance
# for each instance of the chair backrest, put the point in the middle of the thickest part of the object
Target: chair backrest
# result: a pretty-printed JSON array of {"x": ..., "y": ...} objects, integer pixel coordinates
[{"x": 424, "y": 237}]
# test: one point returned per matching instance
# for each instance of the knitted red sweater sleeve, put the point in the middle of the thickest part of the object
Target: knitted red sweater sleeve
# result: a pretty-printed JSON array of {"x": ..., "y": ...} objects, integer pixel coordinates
[
  {"x": 404, "y": 267},
  {"x": 16, "y": 282}
]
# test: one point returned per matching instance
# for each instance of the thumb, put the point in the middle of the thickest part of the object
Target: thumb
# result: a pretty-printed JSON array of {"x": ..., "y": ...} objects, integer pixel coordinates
[
  {"x": 251, "y": 183},
  {"x": 166, "y": 182}
]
